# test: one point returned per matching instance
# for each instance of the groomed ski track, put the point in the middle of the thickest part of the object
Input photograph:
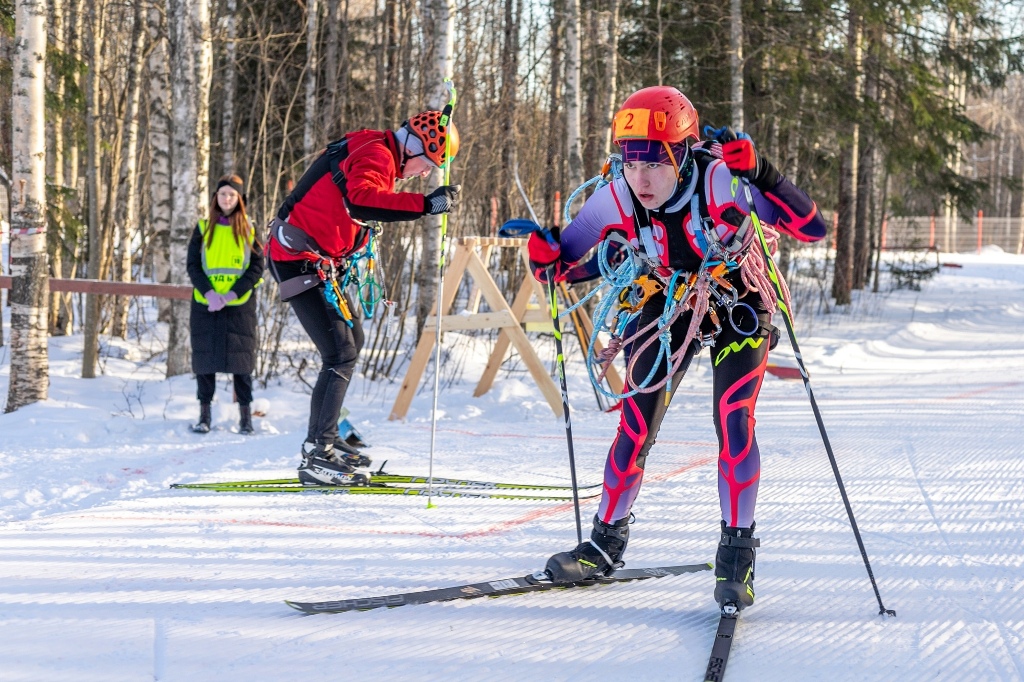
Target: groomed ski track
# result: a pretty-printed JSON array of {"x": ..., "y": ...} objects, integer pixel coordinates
[{"x": 107, "y": 575}]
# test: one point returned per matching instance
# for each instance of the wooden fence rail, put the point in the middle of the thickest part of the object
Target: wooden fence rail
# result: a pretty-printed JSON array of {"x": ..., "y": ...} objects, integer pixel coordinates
[{"x": 95, "y": 286}]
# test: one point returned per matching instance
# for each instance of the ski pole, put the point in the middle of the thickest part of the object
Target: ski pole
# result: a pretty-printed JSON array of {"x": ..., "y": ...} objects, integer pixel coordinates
[
  {"x": 787, "y": 316},
  {"x": 560, "y": 358},
  {"x": 446, "y": 115}
]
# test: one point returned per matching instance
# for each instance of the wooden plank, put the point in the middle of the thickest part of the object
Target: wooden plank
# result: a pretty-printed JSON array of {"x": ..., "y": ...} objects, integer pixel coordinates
[
  {"x": 421, "y": 356},
  {"x": 516, "y": 334},
  {"x": 497, "y": 356},
  {"x": 96, "y": 286},
  {"x": 474, "y": 295},
  {"x": 493, "y": 320}
]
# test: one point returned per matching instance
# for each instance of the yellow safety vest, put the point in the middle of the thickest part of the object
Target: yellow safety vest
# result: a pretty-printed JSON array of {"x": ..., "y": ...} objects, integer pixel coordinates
[{"x": 224, "y": 261}]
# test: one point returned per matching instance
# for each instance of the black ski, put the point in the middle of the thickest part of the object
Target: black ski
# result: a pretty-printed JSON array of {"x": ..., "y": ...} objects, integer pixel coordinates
[
  {"x": 493, "y": 588},
  {"x": 722, "y": 646}
]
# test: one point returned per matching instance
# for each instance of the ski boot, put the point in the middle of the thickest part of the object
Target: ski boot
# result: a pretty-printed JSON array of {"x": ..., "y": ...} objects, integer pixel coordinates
[
  {"x": 245, "y": 420},
  {"x": 351, "y": 455},
  {"x": 321, "y": 465},
  {"x": 203, "y": 426},
  {"x": 594, "y": 558},
  {"x": 734, "y": 568}
]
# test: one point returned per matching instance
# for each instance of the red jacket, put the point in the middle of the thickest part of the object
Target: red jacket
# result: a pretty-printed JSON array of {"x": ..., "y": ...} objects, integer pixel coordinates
[{"x": 352, "y": 180}]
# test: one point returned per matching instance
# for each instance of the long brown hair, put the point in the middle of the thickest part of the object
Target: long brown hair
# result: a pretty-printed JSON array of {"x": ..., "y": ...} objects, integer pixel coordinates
[{"x": 239, "y": 221}]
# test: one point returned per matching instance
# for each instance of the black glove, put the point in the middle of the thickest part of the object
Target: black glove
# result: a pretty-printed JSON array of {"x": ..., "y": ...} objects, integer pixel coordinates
[{"x": 441, "y": 200}]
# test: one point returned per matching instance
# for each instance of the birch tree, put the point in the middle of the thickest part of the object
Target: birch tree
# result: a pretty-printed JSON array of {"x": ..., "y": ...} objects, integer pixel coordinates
[
  {"x": 125, "y": 216},
  {"x": 574, "y": 145},
  {"x": 29, "y": 368},
  {"x": 441, "y": 28},
  {"x": 158, "y": 136},
  {"x": 94, "y": 182},
  {"x": 736, "y": 62},
  {"x": 227, "y": 106},
  {"x": 312, "y": 68},
  {"x": 185, "y": 111}
]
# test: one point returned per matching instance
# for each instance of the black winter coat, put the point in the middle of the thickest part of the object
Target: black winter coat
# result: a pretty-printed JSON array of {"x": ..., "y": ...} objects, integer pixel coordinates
[{"x": 224, "y": 341}]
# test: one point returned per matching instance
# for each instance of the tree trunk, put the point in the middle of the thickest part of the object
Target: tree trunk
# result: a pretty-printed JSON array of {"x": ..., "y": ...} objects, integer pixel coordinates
[
  {"x": 185, "y": 112},
  {"x": 125, "y": 214},
  {"x": 553, "y": 162},
  {"x": 29, "y": 378},
  {"x": 865, "y": 185},
  {"x": 227, "y": 105},
  {"x": 94, "y": 182},
  {"x": 58, "y": 323},
  {"x": 159, "y": 124},
  {"x": 736, "y": 62},
  {"x": 309, "y": 137},
  {"x": 611, "y": 101},
  {"x": 441, "y": 15},
  {"x": 848, "y": 157},
  {"x": 204, "y": 76},
  {"x": 330, "y": 112},
  {"x": 574, "y": 148}
]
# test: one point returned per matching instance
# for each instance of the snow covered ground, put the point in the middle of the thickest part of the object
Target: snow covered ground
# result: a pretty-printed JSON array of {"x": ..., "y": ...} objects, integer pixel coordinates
[{"x": 105, "y": 574}]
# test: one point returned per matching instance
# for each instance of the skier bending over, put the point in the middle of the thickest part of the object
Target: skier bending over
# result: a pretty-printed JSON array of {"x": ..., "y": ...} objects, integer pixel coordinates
[
  {"x": 323, "y": 222},
  {"x": 668, "y": 173}
]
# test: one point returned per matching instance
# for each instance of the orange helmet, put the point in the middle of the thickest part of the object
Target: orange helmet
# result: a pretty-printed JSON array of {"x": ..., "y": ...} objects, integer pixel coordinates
[
  {"x": 428, "y": 128},
  {"x": 660, "y": 113}
]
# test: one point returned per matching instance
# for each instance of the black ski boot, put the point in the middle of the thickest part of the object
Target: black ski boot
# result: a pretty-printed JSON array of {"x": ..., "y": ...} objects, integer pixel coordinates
[
  {"x": 350, "y": 455},
  {"x": 734, "y": 567},
  {"x": 321, "y": 465},
  {"x": 203, "y": 426},
  {"x": 596, "y": 557},
  {"x": 245, "y": 419}
]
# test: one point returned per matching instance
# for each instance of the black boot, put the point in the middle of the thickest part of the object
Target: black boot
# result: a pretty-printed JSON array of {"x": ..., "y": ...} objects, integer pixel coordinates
[
  {"x": 734, "y": 567},
  {"x": 203, "y": 426},
  {"x": 351, "y": 455},
  {"x": 321, "y": 465},
  {"x": 244, "y": 419},
  {"x": 596, "y": 557}
]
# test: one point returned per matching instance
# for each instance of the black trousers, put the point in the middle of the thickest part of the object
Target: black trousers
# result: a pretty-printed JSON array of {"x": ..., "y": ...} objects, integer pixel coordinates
[
  {"x": 207, "y": 386},
  {"x": 338, "y": 345}
]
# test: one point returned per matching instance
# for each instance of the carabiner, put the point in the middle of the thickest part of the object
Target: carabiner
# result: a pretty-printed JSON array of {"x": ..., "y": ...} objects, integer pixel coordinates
[{"x": 753, "y": 314}]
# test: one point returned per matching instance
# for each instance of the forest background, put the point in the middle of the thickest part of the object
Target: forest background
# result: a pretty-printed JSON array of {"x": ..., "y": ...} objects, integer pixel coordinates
[{"x": 118, "y": 116}]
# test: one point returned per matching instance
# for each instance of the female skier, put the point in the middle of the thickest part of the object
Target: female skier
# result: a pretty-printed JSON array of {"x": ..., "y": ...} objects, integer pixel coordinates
[{"x": 668, "y": 176}]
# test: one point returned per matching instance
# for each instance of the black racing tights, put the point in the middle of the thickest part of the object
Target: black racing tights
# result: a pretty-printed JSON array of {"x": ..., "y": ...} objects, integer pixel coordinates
[{"x": 339, "y": 347}]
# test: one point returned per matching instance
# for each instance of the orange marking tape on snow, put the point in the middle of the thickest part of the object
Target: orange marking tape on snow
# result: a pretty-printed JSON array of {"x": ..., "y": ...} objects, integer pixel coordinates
[
  {"x": 988, "y": 389},
  {"x": 695, "y": 443},
  {"x": 490, "y": 530}
]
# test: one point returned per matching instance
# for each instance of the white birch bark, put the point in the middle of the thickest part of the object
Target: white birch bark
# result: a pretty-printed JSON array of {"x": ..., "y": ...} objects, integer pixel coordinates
[
  {"x": 441, "y": 29},
  {"x": 227, "y": 107},
  {"x": 203, "y": 38},
  {"x": 159, "y": 127},
  {"x": 574, "y": 148},
  {"x": 736, "y": 61},
  {"x": 312, "y": 67},
  {"x": 29, "y": 381},
  {"x": 125, "y": 216},
  {"x": 329, "y": 113},
  {"x": 185, "y": 112}
]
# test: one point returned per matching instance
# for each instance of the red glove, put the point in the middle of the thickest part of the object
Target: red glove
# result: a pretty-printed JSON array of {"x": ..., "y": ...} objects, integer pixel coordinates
[
  {"x": 545, "y": 253},
  {"x": 740, "y": 157}
]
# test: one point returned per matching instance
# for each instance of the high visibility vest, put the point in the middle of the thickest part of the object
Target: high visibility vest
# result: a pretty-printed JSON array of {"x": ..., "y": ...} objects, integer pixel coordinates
[{"x": 224, "y": 261}]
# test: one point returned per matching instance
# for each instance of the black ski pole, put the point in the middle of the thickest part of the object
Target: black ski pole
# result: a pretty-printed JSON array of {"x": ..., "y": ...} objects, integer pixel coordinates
[
  {"x": 560, "y": 359},
  {"x": 786, "y": 315}
]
